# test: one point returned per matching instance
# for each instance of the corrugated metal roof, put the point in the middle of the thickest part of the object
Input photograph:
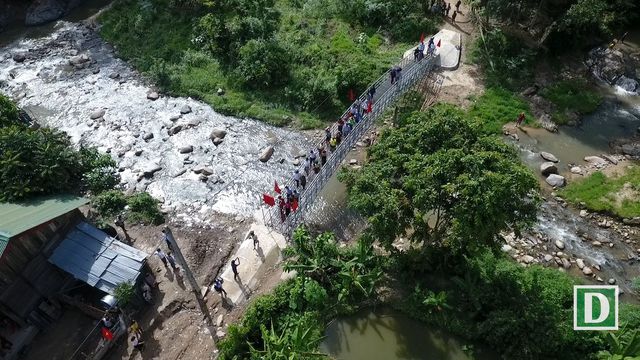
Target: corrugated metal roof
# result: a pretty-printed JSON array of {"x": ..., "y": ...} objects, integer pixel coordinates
[
  {"x": 94, "y": 257},
  {"x": 16, "y": 218}
]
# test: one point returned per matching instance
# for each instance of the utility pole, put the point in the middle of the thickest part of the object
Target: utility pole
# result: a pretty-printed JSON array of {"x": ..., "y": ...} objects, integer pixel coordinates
[{"x": 192, "y": 280}]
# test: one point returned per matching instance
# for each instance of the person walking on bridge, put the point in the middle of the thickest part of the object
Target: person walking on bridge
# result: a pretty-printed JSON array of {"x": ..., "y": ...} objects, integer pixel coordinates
[
  {"x": 392, "y": 75},
  {"x": 453, "y": 17},
  {"x": 448, "y": 9},
  {"x": 296, "y": 178},
  {"x": 458, "y": 5},
  {"x": 372, "y": 92}
]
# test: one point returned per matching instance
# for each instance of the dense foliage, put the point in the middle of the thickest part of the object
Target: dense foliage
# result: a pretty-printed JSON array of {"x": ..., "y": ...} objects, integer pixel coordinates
[
  {"x": 521, "y": 313},
  {"x": 43, "y": 161},
  {"x": 438, "y": 180},
  {"x": 279, "y": 61},
  {"x": 141, "y": 207},
  {"x": 288, "y": 323},
  {"x": 507, "y": 61},
  {"x": 551, "y": 23}
]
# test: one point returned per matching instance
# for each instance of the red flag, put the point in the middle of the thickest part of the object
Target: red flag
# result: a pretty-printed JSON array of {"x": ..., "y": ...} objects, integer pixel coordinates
[
  {"x": 276, "y": 188},
  {"x": 422, "y": 37},
  {"x": 351, "y": 95},
  {"x": 294, "y": 205},
  {"x": 439, "y": 43},
  {"x": 369, "y": 106},
  {"x": 268, "y": 199},
  {"x": 106, "y": 333}
]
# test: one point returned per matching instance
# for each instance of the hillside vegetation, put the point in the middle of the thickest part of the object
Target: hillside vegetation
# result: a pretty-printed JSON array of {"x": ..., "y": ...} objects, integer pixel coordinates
[{"x": 280, "y": 61}]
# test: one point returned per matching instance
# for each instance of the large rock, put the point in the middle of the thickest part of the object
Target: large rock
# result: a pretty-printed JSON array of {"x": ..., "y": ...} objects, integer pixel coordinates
[
  {"x": 266, "y": 154},
  {"x": 150, "y": 170},
  {"x": 632, "y": 149},
  {"x": 153, "y": 95},
  {"x": 595, "y": 160},
  {"x": 548, "y": 168},
  {"x": 218, "y": 133},
  {"x": 43, "y": 11},
  {"x": 555, "y": 180},
  {"x": 96, "y": 114},
  {"x": 559, "y": 244},
  {"x": 185, "y": 109},
  {"x": 19, "y": 57},
  {"x": 627, "y": 84},
  {"x": 580, "y": 263},
  {"x": 587, "y": 271},
  {"x": 186, "y": 149},
  {"x": 528, "y": 259},
  {"x": 217, "y": 141},
  {"x": 174, "y": 130},
  {"x": 606, "y": 64},
  {"x": 549, "y": 156}
]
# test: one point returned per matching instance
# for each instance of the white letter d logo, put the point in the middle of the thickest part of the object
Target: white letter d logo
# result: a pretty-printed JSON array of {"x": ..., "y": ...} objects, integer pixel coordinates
[{"x": 588, "y": 308}]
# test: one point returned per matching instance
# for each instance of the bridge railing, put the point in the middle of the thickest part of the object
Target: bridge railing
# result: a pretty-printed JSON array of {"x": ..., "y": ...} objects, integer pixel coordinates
[{"x": 412, "y": 71}]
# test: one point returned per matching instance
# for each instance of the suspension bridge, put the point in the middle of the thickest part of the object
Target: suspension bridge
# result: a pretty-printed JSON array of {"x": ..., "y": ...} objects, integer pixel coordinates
[{"x": 415, "y": 73}]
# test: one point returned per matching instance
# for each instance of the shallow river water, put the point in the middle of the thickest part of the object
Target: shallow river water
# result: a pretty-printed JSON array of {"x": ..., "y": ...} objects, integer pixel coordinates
[{"x": 64, "y": 96}]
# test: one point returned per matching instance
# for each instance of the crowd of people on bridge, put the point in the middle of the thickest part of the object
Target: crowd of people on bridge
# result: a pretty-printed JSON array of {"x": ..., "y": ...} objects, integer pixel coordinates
[{"x": 288, "y": 200}]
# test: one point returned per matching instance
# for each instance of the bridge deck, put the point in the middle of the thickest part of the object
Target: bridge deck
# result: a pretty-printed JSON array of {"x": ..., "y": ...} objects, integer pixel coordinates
[{"x": 385, "y": 95}]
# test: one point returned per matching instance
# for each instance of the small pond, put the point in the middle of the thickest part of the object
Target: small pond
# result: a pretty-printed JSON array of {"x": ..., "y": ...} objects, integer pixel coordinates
[{"x": 390, "y": 335}]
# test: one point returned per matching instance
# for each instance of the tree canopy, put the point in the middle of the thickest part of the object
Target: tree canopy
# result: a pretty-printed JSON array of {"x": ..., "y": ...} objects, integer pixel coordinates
[
  {"x": 43, "y": 161},
  {"x": 440, "y": 181}
]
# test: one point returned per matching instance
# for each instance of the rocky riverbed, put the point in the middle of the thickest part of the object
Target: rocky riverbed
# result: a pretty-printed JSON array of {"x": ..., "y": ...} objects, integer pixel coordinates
[{"x": 196, "y": 161}]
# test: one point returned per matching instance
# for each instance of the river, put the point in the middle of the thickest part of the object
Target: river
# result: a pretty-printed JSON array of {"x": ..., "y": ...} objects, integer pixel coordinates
[{"x": 134, "y": 129}]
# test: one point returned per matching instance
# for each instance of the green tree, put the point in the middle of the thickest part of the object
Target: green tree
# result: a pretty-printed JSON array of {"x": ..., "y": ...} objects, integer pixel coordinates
[
  {"x": 230, "y": 24},
  {"x": 262, "y": 64},
  {"x": 8, "y": 112},
  {"x": 441, "y": 182},
  {"x": 99, "y": 170},
  {"x": 36, "y": 162}
]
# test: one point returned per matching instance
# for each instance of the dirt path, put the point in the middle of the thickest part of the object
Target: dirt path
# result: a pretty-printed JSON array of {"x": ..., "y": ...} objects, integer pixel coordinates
[{"x": 460, "y": 85}]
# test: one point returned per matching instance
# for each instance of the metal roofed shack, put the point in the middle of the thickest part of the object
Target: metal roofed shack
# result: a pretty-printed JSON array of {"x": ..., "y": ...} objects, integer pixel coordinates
[{"x": 94, "y": 257}]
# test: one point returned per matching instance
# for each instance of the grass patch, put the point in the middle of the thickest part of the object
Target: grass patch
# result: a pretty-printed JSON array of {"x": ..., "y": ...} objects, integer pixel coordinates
[
  {"x": 326, "y": 53},
  {"x": 616, "y": 195},
  {"x": 571, "y": 96},
  {"x": 498, "y": 106}
]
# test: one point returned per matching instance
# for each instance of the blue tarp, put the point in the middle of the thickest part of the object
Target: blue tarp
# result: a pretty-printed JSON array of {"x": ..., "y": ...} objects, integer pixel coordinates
[{"x": 94, "y": 257}]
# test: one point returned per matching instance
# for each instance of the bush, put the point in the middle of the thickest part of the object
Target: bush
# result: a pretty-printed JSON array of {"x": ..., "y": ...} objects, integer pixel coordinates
[
  {"x": 99, "y": 171},
  {"x": 144, "y": 208},
  {"x": 8, "y": 112},
  {"x": 109, "y": 203},
  {"x": 36, "y": 162},
  {"x": 124, "y": 294},
  {"x": 262, "y": 64}
]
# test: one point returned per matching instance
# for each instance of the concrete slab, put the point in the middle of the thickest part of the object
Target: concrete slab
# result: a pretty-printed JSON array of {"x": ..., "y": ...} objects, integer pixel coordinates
[
  {"x": 253, "y": 262},
  {"x": 449, "y": 51}
]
